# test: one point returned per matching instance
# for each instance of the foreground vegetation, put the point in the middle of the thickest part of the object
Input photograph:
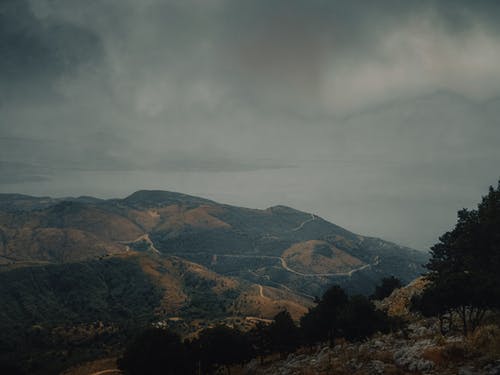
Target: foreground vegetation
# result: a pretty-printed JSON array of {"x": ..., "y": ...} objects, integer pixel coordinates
[
  {"x": 463, "y": 282},
  {"x": 159, "y": 351},
  {"x": 55, "y": 315},
  {"x": 464, "y": 268},
  {"x": 111, "y": 305}
]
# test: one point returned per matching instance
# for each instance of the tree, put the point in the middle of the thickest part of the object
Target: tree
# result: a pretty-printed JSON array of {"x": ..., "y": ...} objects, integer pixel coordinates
[
  {"x": 465, "y": 263},
  {"x": 10, "y": 368},
  {"x": 386, "y": 287},
  {"x": 312, "y": 327},
  {"x": 222, "y": 346},
  {"x": 360, "y": 319},
  {"x": 260, "y": 338},
  {"x": 156, "y": 351},
  {"x": 433, "y": 302},
  {"x": 284, "y": 334},
  {"x": 322, "y": 321},
  {"x": 329, "y": 309},
  {"x": 337, "y": 315}
]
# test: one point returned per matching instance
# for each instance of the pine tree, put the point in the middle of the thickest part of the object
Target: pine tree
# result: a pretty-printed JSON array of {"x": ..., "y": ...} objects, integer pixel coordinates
[{"x": 465, "y": 264}]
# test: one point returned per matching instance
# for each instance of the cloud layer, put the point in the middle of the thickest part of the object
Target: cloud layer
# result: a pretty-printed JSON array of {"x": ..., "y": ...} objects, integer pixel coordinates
[{"x": 389, "y": 106}]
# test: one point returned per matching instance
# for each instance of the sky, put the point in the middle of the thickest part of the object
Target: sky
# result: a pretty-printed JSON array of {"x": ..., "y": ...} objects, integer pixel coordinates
[{"x": 382, "y": 117}]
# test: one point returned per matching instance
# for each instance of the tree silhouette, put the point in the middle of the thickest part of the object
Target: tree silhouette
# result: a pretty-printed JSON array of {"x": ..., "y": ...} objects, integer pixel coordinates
[
  {"x": 386, "y": 287},
  {"x": 154, "y": 352},
  {"x": 284, "y": 334},
  {"x": 222, "y": 346},
  {"x": 312, "y": 327},
  {"x": 464, "y": 265},
  {"x": 260, "y": 338},
  {"x": 329, "y": 309},
  {"x": 10, "y": 369},
  {"x": 337, "y": 315},
  {"x": 360, "y": 319}
]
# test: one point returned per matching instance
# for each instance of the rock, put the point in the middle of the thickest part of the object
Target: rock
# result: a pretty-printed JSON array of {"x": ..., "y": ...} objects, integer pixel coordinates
[
  {"x": 410, "y": 356},
  {"x": 467, "y": 371},
  {"x": 377, "y": 367},
  {"x": 251, "y": 367},
  {"x": 493, "y": 368},
  {"x": 421, "y": 331},
  {"x": 424, "y": 365},
  {"x": 378, "y": 344},
  {"x": 323, "y": 355}
]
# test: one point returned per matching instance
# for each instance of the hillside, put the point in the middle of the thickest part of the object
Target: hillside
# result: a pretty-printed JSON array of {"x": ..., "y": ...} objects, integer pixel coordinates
[
  {"x": 278, "y": 245},
  {"x": 85, "y": 273}
]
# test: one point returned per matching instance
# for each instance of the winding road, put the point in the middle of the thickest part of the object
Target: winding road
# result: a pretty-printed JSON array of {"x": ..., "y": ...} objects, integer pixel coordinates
[
  {"x": 313, "y": 217},
  {"x": 287, "y": 268}
]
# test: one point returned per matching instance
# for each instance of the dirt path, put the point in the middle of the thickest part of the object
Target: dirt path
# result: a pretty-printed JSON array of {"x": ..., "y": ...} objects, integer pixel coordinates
[
  {"x": 261, "y": 291},
  {"x": 142, "y": 237},
  {"x": 313, "y": 217},
  {"x": 110, "y": 371},
  {"x": 287, "y": 268}
]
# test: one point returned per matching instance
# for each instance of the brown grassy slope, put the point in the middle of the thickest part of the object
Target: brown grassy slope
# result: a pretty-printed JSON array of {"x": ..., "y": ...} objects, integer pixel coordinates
[
  {"x": 270, "y": 303},
  {"x": 398, "y": 303},
  {"x": 176, "y": 217},
  {"x": 317, "y": 256},
  {"x": 66, "y": 232},
  {"x": 54, "y": 244},
  {"x": 98, "y": 221},
  {"x": 169, "y": 273}
]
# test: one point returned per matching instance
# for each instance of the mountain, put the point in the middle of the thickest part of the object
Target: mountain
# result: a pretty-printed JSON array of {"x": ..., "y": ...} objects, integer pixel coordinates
[
  {"x": 99, "y": 266},
  {"x": 279, "y": 245}
]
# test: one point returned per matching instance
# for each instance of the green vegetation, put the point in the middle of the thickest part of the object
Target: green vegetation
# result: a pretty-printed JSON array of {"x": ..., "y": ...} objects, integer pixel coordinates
[
  {"x": 109, "y": 299},
  {"x": 220, "y": 346},
  {"x": 284, "y": 334},
  {"x": 336, "y": 316},
  {"x": 204, "y": 303},
  {"x": 386, "y": 287},
  {"x": 156, "y": 351},
  {"x": 92, "y": 301},
  {"x": 464, "y": 267}
]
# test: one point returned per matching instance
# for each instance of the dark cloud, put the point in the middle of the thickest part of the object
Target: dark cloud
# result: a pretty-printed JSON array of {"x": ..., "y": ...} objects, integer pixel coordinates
[
  {"x": 16, "y": 172},
  {"x": 36, "y": 50},
  {"x": 383, "y": 109}
]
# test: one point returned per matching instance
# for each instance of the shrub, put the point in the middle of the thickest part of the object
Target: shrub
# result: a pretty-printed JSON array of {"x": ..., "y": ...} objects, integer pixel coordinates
[{"x": 156, "y": 351}]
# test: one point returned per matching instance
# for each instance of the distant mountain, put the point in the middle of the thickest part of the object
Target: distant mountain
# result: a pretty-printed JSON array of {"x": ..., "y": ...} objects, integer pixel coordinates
[
  {"x": 279, "y": 245},
  {"x": 80, "y": 272}
]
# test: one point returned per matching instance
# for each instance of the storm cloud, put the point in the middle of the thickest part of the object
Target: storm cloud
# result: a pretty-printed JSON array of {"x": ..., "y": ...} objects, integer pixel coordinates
[{"x": 380, "y": 116}]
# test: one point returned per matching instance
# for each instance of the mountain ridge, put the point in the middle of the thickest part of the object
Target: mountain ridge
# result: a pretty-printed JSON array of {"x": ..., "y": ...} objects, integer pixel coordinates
[
  {"x": 178, "y": 224},
  {"x": 93, "y": 268}
]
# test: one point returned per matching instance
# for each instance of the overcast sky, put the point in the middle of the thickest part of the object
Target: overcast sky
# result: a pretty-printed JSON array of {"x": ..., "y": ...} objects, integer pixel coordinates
[{"x": 380, "y": 116}]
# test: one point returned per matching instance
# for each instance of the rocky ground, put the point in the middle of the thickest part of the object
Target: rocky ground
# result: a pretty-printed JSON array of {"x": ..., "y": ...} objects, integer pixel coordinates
[{"x": 417, "y": 350}]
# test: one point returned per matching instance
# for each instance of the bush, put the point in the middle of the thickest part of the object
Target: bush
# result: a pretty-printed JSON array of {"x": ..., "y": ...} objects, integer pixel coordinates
[
  {"x": 220, "y": 346},
  {"x": 284, "y": 334},
  {"x": 359, "y": 319},
  {"x": 338, "y": 315},
  {"x": 486, "y": 340},
  {"x": 156, "y": 351},
  {"x": 386, "y": 287}
]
